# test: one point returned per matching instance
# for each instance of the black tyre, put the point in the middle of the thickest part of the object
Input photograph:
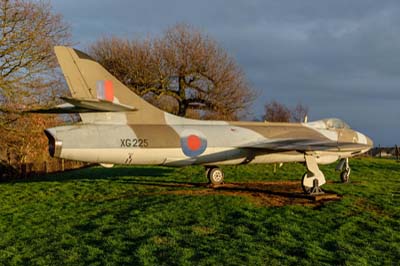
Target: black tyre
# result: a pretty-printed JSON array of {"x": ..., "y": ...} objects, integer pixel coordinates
[{"x": 345, "y": 176}]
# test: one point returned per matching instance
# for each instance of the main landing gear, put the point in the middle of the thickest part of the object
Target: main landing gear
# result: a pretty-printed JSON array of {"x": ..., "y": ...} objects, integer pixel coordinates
[
  {"x": 313, "y": 179},
  {"x": 344, "y": 167},
  {"x": 215, "y": 175}
]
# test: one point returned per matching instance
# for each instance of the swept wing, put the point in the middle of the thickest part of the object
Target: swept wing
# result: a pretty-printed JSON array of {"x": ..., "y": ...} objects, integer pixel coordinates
[{"x": 303, "y": 145}]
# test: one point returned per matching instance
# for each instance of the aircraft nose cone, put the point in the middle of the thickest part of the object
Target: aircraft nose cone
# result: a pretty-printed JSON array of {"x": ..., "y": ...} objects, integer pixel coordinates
[
  {"x": 370, "y": 143},
  {"x": 363, "y": 139}
]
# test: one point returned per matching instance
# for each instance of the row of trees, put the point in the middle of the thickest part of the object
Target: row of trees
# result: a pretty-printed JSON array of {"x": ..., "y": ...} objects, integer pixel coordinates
[
  {"x": 28, "y": 76},
  {"x": 183, "y": 71}
]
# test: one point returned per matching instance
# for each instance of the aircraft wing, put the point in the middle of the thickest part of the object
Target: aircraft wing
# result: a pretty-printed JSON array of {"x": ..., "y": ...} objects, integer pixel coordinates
[
  {"x": 303, "y": 145},
  {"x": 76, "y": 105}
]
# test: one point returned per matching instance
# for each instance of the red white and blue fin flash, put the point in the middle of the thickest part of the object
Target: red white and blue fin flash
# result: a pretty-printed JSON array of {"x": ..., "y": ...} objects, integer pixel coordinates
[
  {"x": 105, "y": 90},
  {"x": 193, "y": 143}
]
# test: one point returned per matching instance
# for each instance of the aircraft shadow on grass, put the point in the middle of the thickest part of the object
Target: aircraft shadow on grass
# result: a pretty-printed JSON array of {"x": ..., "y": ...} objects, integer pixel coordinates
[
  {"x": 156, "y": 177},
  {"x": 97, "y": 173}
]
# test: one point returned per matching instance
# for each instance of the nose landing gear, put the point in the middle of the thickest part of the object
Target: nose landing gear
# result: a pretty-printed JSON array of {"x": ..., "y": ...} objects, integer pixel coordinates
[{"x": 313, "y": 179}]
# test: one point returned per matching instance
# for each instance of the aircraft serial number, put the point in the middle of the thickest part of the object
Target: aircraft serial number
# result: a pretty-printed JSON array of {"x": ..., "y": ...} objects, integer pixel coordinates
[{"x": 134, "y": 143}]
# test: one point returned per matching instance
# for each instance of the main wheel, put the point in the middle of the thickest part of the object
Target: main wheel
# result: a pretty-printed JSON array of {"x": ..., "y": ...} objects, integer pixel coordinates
[
  {"x": 306, "y": 189},
  {"x": 345, "y": 176},
  {"x": 215, "y": 176}
]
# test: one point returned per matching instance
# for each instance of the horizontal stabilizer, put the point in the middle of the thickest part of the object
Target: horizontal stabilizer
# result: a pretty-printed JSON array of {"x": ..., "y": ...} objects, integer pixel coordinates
[
  {"x": 85, "y": 106},
  {"x": 99, "y": 105}
]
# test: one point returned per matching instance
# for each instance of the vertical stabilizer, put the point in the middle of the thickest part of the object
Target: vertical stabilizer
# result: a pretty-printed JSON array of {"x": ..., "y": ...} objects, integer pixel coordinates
[{"x": 87, "y": 79}]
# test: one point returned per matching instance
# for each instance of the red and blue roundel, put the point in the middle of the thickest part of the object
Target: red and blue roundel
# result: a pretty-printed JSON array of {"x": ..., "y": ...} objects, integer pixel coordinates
[{"x": 193, "y": 143}]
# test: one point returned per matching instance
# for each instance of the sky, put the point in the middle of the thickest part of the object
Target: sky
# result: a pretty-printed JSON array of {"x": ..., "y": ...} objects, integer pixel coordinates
[{"x": 340, "y": 58}]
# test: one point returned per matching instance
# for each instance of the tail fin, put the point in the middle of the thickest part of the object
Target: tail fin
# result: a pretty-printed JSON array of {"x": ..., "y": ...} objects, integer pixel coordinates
[{"x": 87, "y": 80}]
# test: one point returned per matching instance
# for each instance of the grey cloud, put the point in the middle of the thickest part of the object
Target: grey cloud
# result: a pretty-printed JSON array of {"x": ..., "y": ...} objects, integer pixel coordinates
[{"x": 341, "y": 58}]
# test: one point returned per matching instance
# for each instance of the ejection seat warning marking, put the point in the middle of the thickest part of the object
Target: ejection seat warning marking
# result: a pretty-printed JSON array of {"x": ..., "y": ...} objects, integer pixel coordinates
[
  {"x": 134, "y": 143},
  {"x": 129, "y": 159}
]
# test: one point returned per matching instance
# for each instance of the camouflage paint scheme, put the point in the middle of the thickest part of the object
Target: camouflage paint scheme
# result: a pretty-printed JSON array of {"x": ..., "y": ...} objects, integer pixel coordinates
[{"x": 125, "y": 129}]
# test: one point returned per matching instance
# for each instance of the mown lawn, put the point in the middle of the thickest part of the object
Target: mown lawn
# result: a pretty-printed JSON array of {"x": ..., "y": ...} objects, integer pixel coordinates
[{"x": 125, "y": 216}]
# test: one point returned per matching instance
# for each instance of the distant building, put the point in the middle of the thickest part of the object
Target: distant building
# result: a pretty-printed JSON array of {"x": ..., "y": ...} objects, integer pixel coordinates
[{"x": 384, "y": 152}]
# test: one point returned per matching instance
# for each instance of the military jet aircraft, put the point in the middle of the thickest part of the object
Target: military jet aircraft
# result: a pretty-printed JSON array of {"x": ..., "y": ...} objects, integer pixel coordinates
[{"x": 119, "y": 127}]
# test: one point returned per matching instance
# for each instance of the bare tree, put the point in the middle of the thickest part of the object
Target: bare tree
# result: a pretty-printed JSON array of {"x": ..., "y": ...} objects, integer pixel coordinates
[
  {"x": 183, "y": 71},
  {"x": 28, "y": 75},
  {"x": 276, "y": 112},
  {"x": 299, "y": 113},
  {"x": 29, "y": 30}
]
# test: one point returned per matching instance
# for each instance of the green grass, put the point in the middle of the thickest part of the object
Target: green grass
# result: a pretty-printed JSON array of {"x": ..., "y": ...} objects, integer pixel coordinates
[{"x": 125, "y": 216}]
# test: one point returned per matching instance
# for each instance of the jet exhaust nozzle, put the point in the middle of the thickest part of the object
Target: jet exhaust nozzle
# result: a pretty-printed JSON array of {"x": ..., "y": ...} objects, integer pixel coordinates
[{"x": 55, "y": 145}]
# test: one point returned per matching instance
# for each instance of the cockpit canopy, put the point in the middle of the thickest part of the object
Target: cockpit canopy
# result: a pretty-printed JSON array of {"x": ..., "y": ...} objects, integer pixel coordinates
[
  {"x": 335, "y": 123},
  {"x": 330, "y": 123}
]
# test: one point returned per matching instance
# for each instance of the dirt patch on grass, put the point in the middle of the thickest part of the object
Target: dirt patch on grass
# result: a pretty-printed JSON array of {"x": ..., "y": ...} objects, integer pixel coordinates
[{"x": 277, "y": 193}]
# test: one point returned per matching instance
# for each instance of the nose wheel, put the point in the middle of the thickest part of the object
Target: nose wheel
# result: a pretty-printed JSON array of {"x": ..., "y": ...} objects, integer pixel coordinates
[{"x": 215, "y": 175}]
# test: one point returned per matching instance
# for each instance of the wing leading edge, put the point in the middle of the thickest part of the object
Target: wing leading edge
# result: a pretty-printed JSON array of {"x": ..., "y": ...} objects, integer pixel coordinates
[{"x": 303, "y": 145}]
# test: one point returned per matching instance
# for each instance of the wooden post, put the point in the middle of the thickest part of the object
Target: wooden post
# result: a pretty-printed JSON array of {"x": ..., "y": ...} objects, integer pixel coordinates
[
  {"x": 8, "y": 156},
  {"x": 45, "y": 167},
  {"x": 396, "y": 152},
  {"x": 30, "y": 169},
  {"x": 23, "y": 170},
  {"x": 62, "y": 165}
]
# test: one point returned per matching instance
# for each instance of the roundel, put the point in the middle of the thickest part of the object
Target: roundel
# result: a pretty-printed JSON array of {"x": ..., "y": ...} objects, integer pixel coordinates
[{"x": 193, "y": 143}]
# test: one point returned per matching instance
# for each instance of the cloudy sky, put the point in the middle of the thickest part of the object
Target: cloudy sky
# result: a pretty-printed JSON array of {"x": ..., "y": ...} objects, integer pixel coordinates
[{"x": 340, "y": 58}]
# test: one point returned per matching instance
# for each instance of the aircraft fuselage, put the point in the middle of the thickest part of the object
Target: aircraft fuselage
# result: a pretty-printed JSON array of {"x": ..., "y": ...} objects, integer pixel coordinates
[{"x": 204, "y": 143}]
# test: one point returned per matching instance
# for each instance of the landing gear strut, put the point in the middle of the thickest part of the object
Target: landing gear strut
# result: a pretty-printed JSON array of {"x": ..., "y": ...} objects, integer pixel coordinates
[
  {"x": 344, "y": 167},
  {"x": 313, "y": 179},
  {"x": 215, "y": 175}
]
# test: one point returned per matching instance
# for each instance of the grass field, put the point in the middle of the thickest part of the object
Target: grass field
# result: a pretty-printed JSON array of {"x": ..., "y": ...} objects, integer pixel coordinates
[{"x": 159, "y": 216}]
